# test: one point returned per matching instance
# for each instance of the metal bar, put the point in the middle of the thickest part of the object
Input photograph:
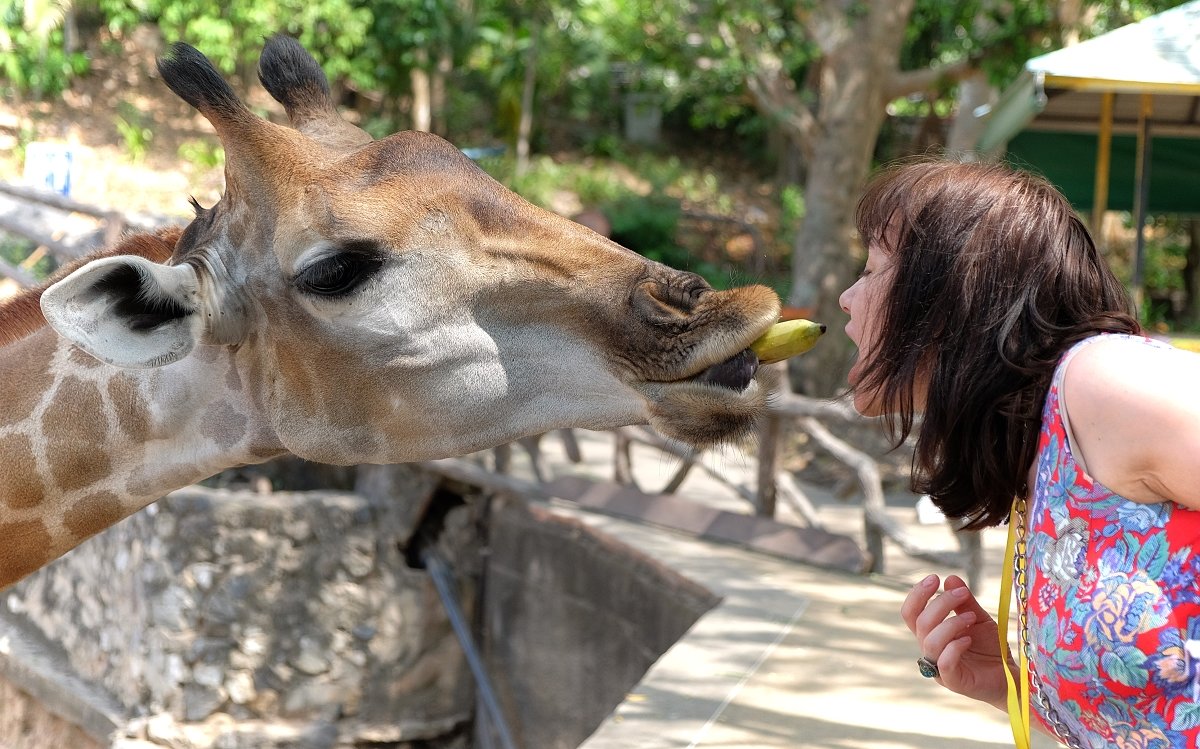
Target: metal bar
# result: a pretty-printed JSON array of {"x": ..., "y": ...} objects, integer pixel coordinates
[
  {"x": 443, "y": 580},
  {"x": 1141, "y": 197},
  {"x": 1103, "y": 164},
  {"x": 1145, "y": 88}
]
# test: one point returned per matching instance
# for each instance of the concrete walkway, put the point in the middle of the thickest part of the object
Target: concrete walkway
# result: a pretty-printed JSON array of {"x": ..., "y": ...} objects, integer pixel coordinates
[{"x": 794, "y": 656}]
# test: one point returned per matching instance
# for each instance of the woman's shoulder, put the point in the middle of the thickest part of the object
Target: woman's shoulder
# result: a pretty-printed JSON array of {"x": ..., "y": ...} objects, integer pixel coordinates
[
  {"x": 1130, "y": 362},
  {"x": 1135, "y": 412}
]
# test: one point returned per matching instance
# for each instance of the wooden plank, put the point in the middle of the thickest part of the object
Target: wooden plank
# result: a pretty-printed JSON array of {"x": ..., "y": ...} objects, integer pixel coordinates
[
  {"x": 21, "y": 276},
  {"x": 54, "y": 200},
  {"x": 60, "y": 251}
]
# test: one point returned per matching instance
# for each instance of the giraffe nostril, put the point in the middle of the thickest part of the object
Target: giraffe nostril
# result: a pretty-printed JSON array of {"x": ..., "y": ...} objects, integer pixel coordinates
[{"x": 676, "y": 295}]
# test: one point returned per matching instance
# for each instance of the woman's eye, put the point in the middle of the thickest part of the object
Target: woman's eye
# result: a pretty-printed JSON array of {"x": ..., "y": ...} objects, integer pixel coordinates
[{"x": 338, "y": 275}]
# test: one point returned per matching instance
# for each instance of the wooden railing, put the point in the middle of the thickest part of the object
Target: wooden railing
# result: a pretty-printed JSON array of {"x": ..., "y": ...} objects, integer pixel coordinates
[
  {"x": 110, "y": 224},
  {"x": 774, "y": 484}
]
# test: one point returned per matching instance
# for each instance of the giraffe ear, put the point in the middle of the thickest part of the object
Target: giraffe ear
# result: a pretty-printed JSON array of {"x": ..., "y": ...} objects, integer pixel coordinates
[{"x": 128, "y": 311}]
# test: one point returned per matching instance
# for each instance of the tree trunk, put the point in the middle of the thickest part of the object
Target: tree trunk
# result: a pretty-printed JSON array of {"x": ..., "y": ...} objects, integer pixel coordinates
[
  {"x": 421, "y": 93},
  {"x": 525, "y": 125},
  {"x": 974, "y": 91},
  {"x": 857, "y": 69},
  {"x": 444, "y": 67}
]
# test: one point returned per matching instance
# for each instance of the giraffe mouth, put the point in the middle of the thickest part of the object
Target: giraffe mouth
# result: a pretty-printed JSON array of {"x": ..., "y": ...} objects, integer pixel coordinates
[{"x": 735, "y": 373}]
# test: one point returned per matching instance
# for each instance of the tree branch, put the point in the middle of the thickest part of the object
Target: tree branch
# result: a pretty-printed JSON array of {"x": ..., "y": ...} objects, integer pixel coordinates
[
  {"x": 907, "y": 82},
  {"x": 771, "y": 89}
]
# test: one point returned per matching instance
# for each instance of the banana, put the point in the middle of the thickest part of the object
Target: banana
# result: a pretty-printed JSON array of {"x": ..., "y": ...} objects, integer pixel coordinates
[{"x": 787, "y": 339}]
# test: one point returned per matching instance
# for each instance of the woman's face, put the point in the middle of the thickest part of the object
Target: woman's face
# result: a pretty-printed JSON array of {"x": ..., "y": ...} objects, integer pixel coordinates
[{"x": 864, "y": 303}]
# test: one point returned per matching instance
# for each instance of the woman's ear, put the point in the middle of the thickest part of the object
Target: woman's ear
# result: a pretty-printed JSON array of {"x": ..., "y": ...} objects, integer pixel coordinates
[{"x": 128, "y": 311}]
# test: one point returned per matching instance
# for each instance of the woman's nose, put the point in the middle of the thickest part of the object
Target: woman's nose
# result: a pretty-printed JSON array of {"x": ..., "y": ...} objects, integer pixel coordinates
[{"x": 844, "y": 299}]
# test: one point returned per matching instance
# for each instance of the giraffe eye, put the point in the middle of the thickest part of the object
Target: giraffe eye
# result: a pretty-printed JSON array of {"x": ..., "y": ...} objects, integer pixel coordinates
[{"x": 340, "y": 274}]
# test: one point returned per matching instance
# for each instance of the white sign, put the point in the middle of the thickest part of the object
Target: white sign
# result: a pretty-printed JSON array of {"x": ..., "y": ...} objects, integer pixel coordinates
[{"x": 52, "y": 166}]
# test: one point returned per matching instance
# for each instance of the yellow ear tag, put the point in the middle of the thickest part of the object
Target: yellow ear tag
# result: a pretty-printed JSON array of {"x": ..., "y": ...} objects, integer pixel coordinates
[{"x": 787, "y": 339}]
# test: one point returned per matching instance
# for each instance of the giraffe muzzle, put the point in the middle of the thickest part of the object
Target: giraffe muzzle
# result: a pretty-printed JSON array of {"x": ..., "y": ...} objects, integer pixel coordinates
[{"x": 735, "y": 373}]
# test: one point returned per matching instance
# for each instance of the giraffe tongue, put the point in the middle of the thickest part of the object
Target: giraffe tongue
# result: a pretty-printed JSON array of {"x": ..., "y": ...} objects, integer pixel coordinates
[{"x": 734, "y": 373}]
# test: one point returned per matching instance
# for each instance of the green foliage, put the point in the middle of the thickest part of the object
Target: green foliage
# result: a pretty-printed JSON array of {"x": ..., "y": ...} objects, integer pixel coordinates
[
  {"x": 999, "y": 36},
  {"x": 25, "y": 135},
  {"x": 791, "y": 211},
  {"x": 646, "y": 224},
  {"x": 16, "y": 250},
  {"x": 230, "y": 32},
  {"x": 131, "y": 124},
  {"x": 545, "y": 178},
  {"x": 202, "y": 154},
  {"x": 32, "y": 58}
]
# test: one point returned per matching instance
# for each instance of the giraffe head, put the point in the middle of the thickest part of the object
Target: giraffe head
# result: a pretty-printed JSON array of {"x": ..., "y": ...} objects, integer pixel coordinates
[{"x": 389, "y": 301}]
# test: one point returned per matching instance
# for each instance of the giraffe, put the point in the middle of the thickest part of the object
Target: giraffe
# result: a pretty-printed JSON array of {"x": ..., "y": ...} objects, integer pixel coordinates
[{"x": 347, "y": 300}]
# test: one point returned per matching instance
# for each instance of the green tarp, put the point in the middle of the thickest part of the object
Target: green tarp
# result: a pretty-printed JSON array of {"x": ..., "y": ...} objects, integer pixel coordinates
[{"x": 1069, "y": 161}]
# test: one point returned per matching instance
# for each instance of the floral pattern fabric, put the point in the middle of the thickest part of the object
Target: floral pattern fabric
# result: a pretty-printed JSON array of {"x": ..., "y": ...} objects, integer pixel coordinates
[{"x": 1113, "y": 602}]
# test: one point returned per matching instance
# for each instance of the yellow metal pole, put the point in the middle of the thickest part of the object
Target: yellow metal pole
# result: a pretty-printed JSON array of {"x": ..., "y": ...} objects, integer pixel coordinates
[
  {"x": 1103, "y": 164},
  {"x": 1141, "y": 197}
]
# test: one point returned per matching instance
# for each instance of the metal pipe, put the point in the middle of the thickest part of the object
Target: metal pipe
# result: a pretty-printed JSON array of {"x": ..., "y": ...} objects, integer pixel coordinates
[
  {"x": 1103, "y": 165},
  {"x": 1141, "y": 199},
  {"x": 443, "y": 580}
]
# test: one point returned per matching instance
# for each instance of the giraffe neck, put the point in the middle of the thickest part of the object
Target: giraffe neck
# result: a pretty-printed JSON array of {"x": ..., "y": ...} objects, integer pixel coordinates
[{"x": 84, "y": 444}]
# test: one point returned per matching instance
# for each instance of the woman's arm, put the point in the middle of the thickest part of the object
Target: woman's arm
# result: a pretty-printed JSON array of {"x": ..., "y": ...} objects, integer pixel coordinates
[{"x": 1135, "y": 416}]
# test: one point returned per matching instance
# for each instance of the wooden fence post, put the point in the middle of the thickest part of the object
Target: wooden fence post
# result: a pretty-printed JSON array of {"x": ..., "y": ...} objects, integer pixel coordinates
[{"x": 769, "y": 433}]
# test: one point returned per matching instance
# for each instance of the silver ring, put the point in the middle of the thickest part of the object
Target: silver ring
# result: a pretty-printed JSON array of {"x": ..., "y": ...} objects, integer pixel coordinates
[{"x": 928, "y": 667}]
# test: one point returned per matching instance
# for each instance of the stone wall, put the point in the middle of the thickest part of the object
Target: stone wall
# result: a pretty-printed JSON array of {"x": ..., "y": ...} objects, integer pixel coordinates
[
  {"x": 230, "y": 619},
  {"x": 25, "y": 723},
  {"x": 223, "y": 618},
  {"x": 573, "y": 619}
]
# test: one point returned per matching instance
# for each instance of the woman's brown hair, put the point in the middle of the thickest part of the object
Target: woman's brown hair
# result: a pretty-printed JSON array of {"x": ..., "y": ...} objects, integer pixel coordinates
[{"x": 994, "y": 278}]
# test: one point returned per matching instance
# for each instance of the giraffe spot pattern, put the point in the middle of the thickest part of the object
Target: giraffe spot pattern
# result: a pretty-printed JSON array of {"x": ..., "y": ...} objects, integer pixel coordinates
[
  {"x": 26, "y": 362},
  {"x": 81, "y": 358},
  {"x": 24, "y": 546},
  {"x": 93, "y": 514},
  {"x": 75, "y": 447},
  {"x": 223, "y": 425},
  {"x": 20, "y": 486},
  {"x": 132, "y": 416}
]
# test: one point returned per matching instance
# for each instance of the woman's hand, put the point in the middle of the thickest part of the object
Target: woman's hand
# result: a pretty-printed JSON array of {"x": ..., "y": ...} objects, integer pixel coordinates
[{"x": 966, "y": 646}]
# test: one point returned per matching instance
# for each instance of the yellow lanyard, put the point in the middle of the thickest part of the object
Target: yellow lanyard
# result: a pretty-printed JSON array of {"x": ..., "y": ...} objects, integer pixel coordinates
[{"x": 1018, "y": 692}]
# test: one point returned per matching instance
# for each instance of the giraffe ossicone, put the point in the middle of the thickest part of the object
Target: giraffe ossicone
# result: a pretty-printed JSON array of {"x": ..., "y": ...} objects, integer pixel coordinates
[{"x": 348, "y": 300}]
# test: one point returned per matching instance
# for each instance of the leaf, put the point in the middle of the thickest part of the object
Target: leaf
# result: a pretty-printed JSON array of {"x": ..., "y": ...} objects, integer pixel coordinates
[
  {"x": 1153, "y": 555},
  {"x": 1049, "y": 632},
  {"x": 1126, "y": 666},
  {"x": 1187, "y": 716},
  {"x": 1090, "y": 660},
  {"x": 1123, "y": 552}
]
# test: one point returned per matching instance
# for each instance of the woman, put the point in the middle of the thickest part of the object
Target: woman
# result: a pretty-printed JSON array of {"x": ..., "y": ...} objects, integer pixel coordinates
[{"x": 985, "y": 307}]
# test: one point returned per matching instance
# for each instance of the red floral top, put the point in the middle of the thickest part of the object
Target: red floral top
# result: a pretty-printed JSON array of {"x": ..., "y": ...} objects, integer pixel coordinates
[{"x": 1113, "y": 602}]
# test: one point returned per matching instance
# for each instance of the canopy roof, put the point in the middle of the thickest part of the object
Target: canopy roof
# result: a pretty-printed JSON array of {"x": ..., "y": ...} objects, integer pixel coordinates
[
  {"x": 1150, "y": 67},
  {"x": 1159, "y": 53}
]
